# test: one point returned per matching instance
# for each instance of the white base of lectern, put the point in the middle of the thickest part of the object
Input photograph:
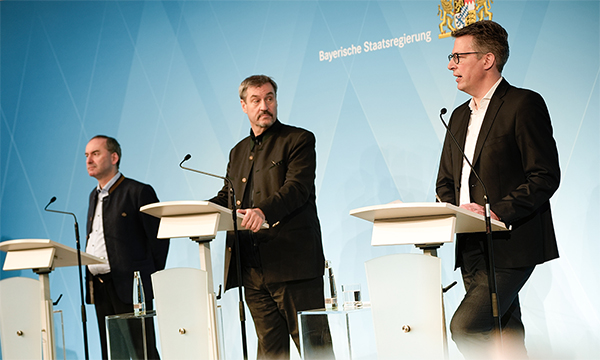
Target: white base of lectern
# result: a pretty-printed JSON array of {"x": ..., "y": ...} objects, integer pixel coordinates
[
  {"x": 184, "y": 322},
  {"x": 407, "y": 307},
  {"x": 20, "y": 318}
]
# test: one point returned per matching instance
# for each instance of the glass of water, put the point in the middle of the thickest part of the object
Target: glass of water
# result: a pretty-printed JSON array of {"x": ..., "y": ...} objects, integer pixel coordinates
[{"x": 352, "y": 299}]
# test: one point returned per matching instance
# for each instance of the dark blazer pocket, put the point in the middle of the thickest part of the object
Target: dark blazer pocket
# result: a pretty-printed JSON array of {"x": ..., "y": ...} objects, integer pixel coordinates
[
  {"x": 275, "y": 163},
  {"x": 498, "y": 139}
]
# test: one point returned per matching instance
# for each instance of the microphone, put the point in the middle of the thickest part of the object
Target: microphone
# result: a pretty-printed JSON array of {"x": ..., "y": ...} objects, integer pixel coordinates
[
  {"x": 188, "y": 156},
  {"x": 60, "y": 212},
  {"x": 229, "y": 182},
  {"x": 78, "y": 247},
  {"x": 66, "y": 213},
  {"x": 485, "y": 193},
  {"x": 51, "y": 201},
  {"x": 488, "y": 231}
]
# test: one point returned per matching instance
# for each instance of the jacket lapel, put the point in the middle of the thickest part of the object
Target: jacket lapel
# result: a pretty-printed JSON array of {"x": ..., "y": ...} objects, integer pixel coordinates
[
  {"x": 91, "y": 210},
  {"x": 460, "y": 133},
  {"x": 490, "y": 116}
]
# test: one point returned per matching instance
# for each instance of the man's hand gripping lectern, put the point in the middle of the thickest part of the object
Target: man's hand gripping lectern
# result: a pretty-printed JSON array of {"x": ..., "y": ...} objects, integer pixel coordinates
[
  {"x": 405, "y": 289},
  {"x": 43, "y": 256}
]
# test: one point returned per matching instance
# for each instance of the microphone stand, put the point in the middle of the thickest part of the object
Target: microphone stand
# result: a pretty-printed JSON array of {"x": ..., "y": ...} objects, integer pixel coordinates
[
  {"x": 238, "y": 261},
  {"x": 78, "y": 247},
  {"x": 497, "y": 326}
]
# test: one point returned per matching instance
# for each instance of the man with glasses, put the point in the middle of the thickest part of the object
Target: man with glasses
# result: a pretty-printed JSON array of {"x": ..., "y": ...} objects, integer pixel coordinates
[{"x": 507, "y": 135}]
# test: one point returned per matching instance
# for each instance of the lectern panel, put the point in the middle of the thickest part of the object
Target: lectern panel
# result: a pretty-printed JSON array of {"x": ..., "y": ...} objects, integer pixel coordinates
[
  {"x": 203, "y": 226},
  {"x": 29, "y": 259},
  {"x": 406, "y": 303},
  {"x": 414, "y": 230},
  {"x": 183, "y": 313},
  {"x": 20, "y": 318}
]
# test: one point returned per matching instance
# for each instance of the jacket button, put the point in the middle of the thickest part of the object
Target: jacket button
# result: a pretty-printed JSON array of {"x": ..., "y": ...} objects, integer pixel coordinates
[
  {"x": 238, "y": 202},
  {"x": 250, "y": 157},
  {"x": 244, "y": 180},
  {"x": 229, "y": 248}
]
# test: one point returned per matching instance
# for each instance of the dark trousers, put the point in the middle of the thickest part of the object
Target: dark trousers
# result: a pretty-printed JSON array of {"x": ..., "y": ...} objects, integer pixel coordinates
[
  {"x": 107, "y": 302},
  {"x": 274, "y": 309},
  {"x": 472, "y": 323}
]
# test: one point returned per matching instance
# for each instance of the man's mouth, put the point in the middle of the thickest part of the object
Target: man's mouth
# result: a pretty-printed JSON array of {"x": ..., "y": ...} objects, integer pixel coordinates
[{"x": 266, "y": 113}]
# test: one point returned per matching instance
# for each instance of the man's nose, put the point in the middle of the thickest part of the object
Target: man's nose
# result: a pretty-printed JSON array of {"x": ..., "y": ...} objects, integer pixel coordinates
[
  {"x": 264, "y": 106},
  {"x": 451, "y": 64}
]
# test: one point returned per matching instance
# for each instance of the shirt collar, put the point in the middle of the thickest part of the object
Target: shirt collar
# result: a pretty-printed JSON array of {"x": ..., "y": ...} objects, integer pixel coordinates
[
  {"x": 268, "y": 132},
  {"x": 486, "y": 98},
  {"x": 109, "y": 184}
]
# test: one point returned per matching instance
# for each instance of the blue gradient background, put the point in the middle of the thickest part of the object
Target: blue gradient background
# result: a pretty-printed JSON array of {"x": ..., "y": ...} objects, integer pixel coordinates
[{"x": 162, "y": 77}]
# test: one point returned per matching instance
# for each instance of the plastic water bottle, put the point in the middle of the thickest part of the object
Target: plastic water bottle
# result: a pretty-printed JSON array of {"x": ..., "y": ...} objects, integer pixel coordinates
[
  {"x": 331, "y": 302},
  {"x": 139, "y": 302}
]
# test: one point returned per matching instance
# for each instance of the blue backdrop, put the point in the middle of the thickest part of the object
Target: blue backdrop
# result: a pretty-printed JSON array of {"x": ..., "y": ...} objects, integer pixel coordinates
[{"x": 367, "y": 77}]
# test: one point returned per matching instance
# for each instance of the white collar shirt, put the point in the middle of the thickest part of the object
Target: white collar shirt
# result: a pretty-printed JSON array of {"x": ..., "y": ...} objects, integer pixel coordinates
[
  {"x": 96, "y": 245},
  {"x": 475, "y": 122}
]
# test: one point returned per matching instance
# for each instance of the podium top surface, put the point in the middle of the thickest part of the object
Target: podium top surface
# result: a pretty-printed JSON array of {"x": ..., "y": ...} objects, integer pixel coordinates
[
  {"x": 465, "y": 219},
  {"x": 173, "y": 209},
  {"x": 63, "y": 255},
  {"x": 184, "y": 207}
]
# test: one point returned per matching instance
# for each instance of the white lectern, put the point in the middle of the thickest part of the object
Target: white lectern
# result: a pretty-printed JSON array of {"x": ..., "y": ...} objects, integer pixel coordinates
[
  {"x": 408, "y": 312},
  {"x": 200, "y": 221},
  {"x": 422, "y": 224},
  {"x": 43, "y": 256}
]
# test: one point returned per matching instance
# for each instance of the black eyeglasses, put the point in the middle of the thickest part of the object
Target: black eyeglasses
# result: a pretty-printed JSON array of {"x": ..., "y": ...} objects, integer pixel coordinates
[{"x": 456, "y": 56}]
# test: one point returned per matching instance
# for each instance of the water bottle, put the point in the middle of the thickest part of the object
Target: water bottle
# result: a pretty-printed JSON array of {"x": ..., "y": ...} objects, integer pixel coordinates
[
  {"x": 139, "y": 303},
  {"x": 331, "y": 302}
]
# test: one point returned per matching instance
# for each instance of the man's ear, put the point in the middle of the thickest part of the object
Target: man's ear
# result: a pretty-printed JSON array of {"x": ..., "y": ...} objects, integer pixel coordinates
[
  {"x": 489, "y": 61},
  {"x": 114, "y": 158},
  {"x": 243, "y": 106}
]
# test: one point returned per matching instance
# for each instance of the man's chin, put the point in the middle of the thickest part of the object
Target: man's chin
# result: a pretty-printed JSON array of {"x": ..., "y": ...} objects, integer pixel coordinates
[{"x": 266, "y": 123}]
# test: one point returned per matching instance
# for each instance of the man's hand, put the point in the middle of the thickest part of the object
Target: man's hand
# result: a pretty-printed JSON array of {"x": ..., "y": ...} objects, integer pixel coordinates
[
  {"x": 253, "y": 218},
  {"x": 478, "y": 209}
]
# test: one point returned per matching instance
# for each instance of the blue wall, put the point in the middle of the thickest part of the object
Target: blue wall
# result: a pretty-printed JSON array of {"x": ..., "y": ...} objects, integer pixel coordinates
[{"x": 162, "y": 77}]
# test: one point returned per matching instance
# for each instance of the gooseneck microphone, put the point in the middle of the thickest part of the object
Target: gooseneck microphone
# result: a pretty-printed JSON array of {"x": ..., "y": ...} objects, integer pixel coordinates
[
  {"x": 443, "y": 111},
  {"x": 78, "y": 247},
  {"x": 188, "y": 156},
  {"x": 488, "y": 231},
  {"x": 238, "y": 260}
]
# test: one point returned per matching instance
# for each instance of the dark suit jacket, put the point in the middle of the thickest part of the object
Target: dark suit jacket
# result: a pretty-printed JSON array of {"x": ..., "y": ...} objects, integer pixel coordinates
[
  {"x": 283, "y": 168},
  {"x": 517, "y": 160},
  {"x": 130, "y": 237}
]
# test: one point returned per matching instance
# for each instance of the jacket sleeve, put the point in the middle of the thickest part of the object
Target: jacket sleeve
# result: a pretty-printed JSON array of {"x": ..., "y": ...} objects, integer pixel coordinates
[
  {"x": 538, "y": 159},
  {"x": 158, "y": 247}
]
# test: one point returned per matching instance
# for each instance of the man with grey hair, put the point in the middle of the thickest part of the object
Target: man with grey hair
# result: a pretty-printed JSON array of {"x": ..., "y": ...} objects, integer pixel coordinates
[{"x": 273, "y": 174}]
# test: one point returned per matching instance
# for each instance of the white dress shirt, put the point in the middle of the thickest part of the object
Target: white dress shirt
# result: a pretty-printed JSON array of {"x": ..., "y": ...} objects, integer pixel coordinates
[
  {"x": 477, "y": 115},
  {"x": 96, "y": 244}
]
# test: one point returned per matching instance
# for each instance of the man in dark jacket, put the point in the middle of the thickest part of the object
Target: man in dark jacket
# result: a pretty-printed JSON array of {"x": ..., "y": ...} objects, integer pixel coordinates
[
  {"x": 273, "y": 174},
  {"x": 119, "y": 232},
  {"x": 507, "y": 135}
]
